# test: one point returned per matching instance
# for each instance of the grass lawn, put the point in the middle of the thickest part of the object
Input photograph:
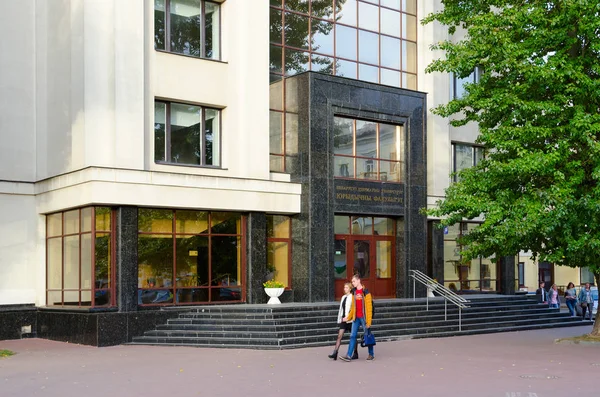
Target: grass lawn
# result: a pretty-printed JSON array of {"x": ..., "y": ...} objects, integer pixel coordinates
[
  {"x": 6, "y": 353},
  {"x": 582, "y": 338}
]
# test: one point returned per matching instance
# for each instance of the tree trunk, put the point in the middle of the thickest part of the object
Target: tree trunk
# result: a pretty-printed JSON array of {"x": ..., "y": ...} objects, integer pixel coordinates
[{"x": 596, "y": 329}]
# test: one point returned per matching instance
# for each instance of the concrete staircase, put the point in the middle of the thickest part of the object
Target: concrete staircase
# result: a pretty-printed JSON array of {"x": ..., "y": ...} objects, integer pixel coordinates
[{"x": 289, "y": 326}]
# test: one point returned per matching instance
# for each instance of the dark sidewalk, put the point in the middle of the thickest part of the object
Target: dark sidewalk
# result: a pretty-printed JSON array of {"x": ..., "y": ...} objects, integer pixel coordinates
[{"x": 516, "y": 364}]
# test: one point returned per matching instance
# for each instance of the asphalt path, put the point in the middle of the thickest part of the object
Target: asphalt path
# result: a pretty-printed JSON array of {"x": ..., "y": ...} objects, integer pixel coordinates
[{"x": 515, "y": 364}]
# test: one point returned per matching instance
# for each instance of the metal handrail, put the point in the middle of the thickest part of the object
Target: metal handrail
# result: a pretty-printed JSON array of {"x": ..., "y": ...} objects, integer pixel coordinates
[{"x": 444, "y": 292}]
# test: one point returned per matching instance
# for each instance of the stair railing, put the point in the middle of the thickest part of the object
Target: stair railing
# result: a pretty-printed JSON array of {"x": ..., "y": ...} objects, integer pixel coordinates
[{"x": 448, "y": 295}]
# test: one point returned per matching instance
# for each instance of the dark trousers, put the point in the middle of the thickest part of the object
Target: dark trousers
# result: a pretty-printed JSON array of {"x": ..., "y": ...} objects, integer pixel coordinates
[{"x": 589, "y": 308}]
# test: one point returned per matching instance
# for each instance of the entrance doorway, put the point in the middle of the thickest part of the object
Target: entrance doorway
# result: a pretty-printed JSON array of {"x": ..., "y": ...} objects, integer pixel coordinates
[
  {"x": 368, "y": 250},
  {"x": 546, "y": 273}
]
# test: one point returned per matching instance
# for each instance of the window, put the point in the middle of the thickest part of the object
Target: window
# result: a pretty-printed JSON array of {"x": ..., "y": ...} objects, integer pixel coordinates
[
  {"x": 521, "y": 274},
  {"x": 459, "y": 84},
  {"x": 585, "y": 276},
  {"x": 189, "y": 256},
  {"x": 368, "y": 150},
  {"x": 79, "y": 258},
  {"x": 279, "y": 243},
  {"x": 465, "y": 155},
  {"x": 186, "y": 134},
  {"x": 188, "y": 27}
]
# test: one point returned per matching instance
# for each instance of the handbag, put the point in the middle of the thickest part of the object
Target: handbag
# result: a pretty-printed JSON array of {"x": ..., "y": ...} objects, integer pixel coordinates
[
  {"x": 583, "y": 304},
  {"x": 368, "y": 339}
]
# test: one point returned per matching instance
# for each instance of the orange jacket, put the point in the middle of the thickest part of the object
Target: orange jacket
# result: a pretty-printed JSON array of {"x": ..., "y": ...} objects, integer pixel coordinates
[{"x": 367, "y": 307}]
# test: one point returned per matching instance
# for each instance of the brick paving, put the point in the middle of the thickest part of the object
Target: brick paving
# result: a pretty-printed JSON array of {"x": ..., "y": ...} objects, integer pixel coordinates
[{"x": 515, "y": 364}]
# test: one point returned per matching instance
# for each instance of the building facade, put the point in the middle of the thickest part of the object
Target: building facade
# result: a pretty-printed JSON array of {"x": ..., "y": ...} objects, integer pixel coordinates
[{"x": 171, "y": 153}]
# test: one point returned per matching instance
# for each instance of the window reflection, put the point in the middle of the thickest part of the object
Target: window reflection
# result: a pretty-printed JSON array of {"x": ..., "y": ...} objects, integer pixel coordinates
[
  {"x": 368, "y": 46},
  {"x": 345, "y": 41},
  {"x": 368, "y": 16}
]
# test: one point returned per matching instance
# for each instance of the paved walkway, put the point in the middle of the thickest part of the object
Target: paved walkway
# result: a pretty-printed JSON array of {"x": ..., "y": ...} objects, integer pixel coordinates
[{"x": 516, "y": 364}]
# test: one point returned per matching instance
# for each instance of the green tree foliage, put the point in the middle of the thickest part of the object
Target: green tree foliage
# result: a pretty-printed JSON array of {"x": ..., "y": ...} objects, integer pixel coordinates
[{"x": 537, "y": 106}]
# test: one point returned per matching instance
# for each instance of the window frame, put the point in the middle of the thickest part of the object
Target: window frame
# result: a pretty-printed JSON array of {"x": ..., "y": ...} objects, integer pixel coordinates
[
  {"x": 458, "y": 84},
  {"x": 288, "y": 240},
  {"x": 474, "y": 162},
  {"x": 167, "y": 153},
  {"x": 202, "y": 28}
]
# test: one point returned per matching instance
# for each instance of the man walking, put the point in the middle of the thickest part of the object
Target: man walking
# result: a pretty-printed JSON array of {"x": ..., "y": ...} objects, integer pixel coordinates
[
  {"x": 542, "y": 293},
  {"x": 361, "y": 313}
]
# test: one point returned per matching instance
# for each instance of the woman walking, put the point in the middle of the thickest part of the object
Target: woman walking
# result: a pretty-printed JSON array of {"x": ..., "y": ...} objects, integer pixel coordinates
[
  {"x": 553, "y": 293},
  {"x": 571, "y": 298},
  {"x": 344, "y": 326},
  {"x": 586, "y": 301}
]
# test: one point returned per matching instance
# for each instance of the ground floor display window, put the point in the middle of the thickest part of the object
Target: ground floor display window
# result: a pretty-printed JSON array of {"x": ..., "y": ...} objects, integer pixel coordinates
[
  {"x": 477, "y": 275},
  {"x": 80, "y": 258},
  {"x": 190, "y": 256},
  {"x": 365, "y": 245},
  {"x": 279, "y": 252}
]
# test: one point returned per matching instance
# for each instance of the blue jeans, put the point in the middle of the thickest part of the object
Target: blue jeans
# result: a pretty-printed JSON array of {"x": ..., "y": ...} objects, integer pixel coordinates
[
  {"x": 571, "y": 305},
  {"x": 354, "y": 334},
  {"x": 554, "y": 306}
]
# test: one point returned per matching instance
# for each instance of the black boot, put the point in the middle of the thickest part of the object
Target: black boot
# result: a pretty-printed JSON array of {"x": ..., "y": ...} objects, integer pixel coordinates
[
  {"x": 333, "y": 355},
  {"x": 355, "y": 354}
]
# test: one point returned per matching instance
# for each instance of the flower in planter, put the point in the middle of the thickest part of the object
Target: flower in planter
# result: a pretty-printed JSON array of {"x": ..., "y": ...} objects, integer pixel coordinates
[{"x": 273, "y": 284}]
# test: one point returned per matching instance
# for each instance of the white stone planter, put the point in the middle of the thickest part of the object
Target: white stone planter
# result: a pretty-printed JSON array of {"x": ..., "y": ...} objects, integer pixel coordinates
[
  {"x": 430, "y": 293},
  {"x": 274, "y": 293}
]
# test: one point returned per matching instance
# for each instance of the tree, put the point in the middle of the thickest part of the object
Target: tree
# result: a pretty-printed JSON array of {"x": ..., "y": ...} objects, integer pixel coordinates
[{"x": 537, "y": 105}]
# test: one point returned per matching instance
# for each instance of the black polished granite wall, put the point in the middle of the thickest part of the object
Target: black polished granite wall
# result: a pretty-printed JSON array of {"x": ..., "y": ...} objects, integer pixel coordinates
[
  {"x": 256, "y": 257},
  {"x": 435, "y": 253},
  {"x": 13, "y": 317},
  {"x": 317, "y": 98},
  {"x": 507, "y": 275},
  {"x": 126, "y": 258}
]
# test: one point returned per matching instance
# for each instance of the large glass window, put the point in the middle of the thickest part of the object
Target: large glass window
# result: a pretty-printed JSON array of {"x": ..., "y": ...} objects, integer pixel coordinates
[
  {"x": 464, "y": 156},
  {"x": 279, "y": 244},
  {"x": 373, "y": 41},
  {"x": 186, "y": 134},
  {"x": 189, "y": 256},
  {"x": 368, "y": 150},
  {"x": 188, "y": 27},
  {"x": 79, "y": 258}
]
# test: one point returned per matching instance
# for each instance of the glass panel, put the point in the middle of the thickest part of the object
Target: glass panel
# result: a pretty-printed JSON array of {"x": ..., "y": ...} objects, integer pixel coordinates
[
  {"x": 471, "y": 272},
  {"x": 101, "y": 298},
  {"x": 488, "y": 275},
  {"x": 160, "y": 114},
  {"x": 155, "y": 221},
  {"x": 86, "y": 262},
  {"x": 409, "y": 81},
  {"x": 478, "y": 154},
  {"x": 192, "y": 261},
  {"x": 346, "y": 12},
  {"x": 71, "y": 298},
  {"x": 322, "y": 37},
  {"x": 368, "y": 45},
  {"x": 390, "y": 141},
  {"x": 276, "y": 26},
  {"x": 275, "y": 132},
  {"x": 86, "y": 219},
  {"x": 276, "y": 95},
  {"x": 278, "y": 226},
  {"x": 275, "y": 58},
  {"x": 296, "y": 31},
  {"x": 322, "y": 64},
  {"x": 383, "y": 252},
  {"x": 322, "y": 9},
  {"x": 345, "y": 69},
  {"x": 368, "y": 73},
  {"x": 212, "y": 30},
  {"x": 102, "y": 219},
  {"x": 226, "y": 260},
  {"x": 366, "y": 138},
  {"x": 297, "y": 5},
  {"x": 409, "y": 57},
  {"x": 102, "y": 266},
  {"x": 383, "y": 226},
  {"x": 191, "y": 222},
  {"x": 54, "y": 247},
  {"x": 341, "y": 225},
  {"x": 409, "y": 27},
  {"x": 362, "y": 225},
  {"x": 86, "y": 298},
  {"x": 362, "y": 254},
  {"x": 395, "y": 4},
  {"x": 409, "y": 6},
  {"x": 291, "y": 133},
  {"x": 276, "y": 163},
  {"x": 185, "y": 134},
  {"x": 390, "y": 53},
  {"x": 345, "y": 42},
  {"x": 192, "y": 295},
  {"x": 54, "y": 223},
  {"x": 185, "y": 27},
  {"x": 368, "y": 17},
  {"x": 212, "y": 139},
  {"x": 390, "y": 171},
  {"x": 71, "y": 263},
  {"x": 226, "y": 293},
  {"x": 295, "y": 62},
  {"x": 463, "y": 157},
  {"x": 291, "y": 95},
  {"x": 276, "y": 3},
  {"x": 159, "y": 24},
  {"x": 366, "y": 168},
  {"x": 155, "y": 260},
  {"x": 343, "y": 136},
  {"x": 277, "y": 261},
  {"x": 340, "y": 260},
  {"x": 71, "y": 220},
  {"x": 225, "y": 223},
  {"x": 343, "y": 167}
]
